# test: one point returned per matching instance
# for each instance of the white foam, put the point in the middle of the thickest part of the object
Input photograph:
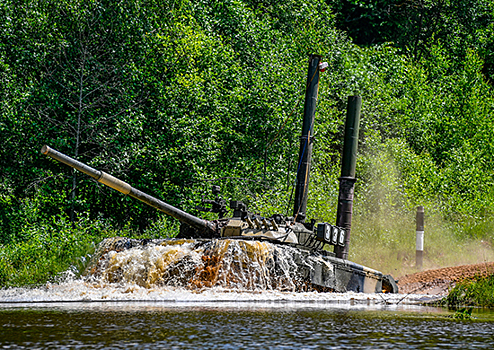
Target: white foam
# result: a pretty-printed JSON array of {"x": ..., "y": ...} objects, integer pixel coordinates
[{"x": 84, "y": 291}]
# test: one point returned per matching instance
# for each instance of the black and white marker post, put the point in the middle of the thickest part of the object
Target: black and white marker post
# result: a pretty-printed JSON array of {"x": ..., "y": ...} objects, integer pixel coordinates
[{"x": 419, "y": 242}]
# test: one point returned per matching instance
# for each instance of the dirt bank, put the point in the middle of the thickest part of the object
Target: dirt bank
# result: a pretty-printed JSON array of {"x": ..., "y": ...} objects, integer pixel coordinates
[{"x": 438, "y": 281}]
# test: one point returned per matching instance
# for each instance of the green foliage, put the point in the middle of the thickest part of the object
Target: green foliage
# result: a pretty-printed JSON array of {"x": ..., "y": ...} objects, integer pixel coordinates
[
  {"x": 463, "y": 314},
  {"x": 174, "y": 97},
  {"x": 156, "y": 94},
  {"x": 49, "y": 249},
  {"x": 414, "y": 26},
  {"x": 38, "y": 246},
  {"x": 478, "y": 291}
]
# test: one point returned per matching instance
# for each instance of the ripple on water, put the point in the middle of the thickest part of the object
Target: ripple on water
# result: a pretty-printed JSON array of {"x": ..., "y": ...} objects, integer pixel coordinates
[{"x": 276, "y": 325}]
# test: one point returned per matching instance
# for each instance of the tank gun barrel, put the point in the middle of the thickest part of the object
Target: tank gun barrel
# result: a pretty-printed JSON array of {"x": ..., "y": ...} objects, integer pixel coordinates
[{"x": 121, "y": 186}]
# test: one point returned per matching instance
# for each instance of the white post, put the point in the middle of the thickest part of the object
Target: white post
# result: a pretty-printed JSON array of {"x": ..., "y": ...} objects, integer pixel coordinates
[{"x": 419, "y": 242}]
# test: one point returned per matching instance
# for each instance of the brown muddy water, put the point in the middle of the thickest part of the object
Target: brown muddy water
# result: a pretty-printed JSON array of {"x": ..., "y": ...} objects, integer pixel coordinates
[{"x": 239, "y": 325}]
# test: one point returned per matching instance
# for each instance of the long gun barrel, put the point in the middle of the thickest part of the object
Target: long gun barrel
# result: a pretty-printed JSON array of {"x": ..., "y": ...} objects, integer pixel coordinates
[{"x": 121, "y": 186}]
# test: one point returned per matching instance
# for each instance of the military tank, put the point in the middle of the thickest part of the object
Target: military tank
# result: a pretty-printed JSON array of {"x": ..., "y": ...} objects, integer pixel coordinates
[{"x": 314, "y": 266}]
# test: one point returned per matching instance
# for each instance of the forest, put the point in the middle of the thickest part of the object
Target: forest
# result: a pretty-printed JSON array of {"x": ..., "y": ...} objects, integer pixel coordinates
[{"x": 176, "y": 96}]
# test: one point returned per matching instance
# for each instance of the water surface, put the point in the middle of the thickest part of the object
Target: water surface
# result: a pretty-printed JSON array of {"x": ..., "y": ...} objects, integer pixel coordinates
[{"x": 239, "y": 325}]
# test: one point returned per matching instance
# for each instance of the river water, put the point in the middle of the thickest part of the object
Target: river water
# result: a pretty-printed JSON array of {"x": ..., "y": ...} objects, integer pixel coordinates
[
  {"x": 117, "y": 317},
  {"x": 239, "y": 325},
  {"x": 140, "y": 298}
]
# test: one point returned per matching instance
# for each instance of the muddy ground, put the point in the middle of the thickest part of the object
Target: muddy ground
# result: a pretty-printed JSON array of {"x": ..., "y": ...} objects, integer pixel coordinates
[{"x": 439, "y": 281}]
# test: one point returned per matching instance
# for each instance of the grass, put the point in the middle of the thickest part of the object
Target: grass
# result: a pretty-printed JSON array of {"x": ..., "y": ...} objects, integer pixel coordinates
[
  {"x": 385, "y": 240},
  {"x": 48, "y": 249}
]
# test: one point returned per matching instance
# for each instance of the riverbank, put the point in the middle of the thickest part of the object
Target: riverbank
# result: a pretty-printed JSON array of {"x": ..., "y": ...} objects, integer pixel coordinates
[{"x": 459, "y": 285}]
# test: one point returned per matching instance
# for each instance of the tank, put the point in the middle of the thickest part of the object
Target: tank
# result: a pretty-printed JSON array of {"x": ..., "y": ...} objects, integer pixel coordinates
[{"x": 316, "y": 267}]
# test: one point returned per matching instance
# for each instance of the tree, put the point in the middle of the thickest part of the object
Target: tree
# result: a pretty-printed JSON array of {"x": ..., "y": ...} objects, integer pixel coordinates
[{"x": 414, "y": 26}]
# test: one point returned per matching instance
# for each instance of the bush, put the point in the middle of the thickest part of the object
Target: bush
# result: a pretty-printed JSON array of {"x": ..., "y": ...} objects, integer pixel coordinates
[
  {"x": 478, "y": 291},
  {"x": 49, "y": 249}
]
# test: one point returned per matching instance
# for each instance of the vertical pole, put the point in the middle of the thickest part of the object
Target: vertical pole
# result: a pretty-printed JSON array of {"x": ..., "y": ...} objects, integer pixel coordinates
[
  {"x": 347, "y": 179},
  {"x": 305, "y": 153},
  {"x": 419, "y": 242}
]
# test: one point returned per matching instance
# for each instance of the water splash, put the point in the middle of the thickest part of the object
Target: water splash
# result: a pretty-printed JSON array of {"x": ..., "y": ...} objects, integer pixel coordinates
[
  {"x": 195, "y": 265},
  {"x": 192, "y": 271}
]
